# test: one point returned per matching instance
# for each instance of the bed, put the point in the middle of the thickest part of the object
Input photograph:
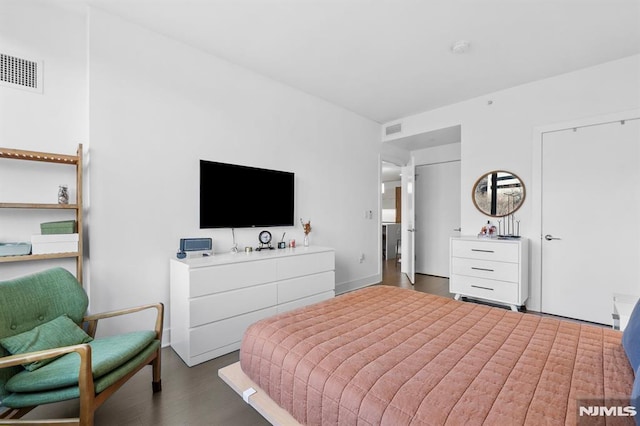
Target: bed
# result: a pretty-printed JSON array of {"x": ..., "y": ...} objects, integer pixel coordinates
[{"x": 390, "y": 356}]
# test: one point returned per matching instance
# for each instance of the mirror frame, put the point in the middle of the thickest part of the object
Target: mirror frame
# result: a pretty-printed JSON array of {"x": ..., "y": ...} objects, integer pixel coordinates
[{"x": 475, "y": 186}]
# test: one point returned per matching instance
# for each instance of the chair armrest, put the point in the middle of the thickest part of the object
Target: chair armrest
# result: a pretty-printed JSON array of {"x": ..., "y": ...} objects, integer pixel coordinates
[
  {"x": 92, "y": 320},
  {"x": 12, "y": 360},
  {"x": 85, "y": 378}
]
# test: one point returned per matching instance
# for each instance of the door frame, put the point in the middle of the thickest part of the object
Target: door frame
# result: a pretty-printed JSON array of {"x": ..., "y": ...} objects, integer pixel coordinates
[
  {"x": 535, "y": 195},
  {"x": 408, "y": 222}
]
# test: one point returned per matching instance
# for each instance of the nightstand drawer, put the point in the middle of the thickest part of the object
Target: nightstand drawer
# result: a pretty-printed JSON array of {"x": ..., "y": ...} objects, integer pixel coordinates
[
  {"x": 502, "y": 271},
  {"x": 485, "y": 289},
  {"x": 486, "y": 250}
]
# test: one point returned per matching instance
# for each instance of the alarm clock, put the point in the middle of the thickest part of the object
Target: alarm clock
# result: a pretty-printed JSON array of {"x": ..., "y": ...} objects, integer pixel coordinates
[{"x": 265, "y": 240}]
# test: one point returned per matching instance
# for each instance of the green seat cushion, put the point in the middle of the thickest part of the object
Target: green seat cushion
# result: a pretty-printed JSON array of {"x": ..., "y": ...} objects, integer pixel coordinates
[
  {"x": 107, "y": 354},
  {"x": 56, "y": 333},
  {"x": 30, "y": 399}
]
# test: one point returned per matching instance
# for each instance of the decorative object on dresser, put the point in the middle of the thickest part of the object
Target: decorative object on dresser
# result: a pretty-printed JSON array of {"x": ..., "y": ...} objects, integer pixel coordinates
[
  {"x": 282, "y": 243},
  {"x": 306, "y": 227},
  {"x": 495, "y": 270},
  {"x": 214, "y": 299},
  {"x": 265, "y": 241},
  {"x": 66, "y": 250}
]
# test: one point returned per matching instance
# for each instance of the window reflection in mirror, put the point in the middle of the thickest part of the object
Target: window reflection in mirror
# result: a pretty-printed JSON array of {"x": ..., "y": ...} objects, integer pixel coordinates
[{"x": 498, "y": 193}]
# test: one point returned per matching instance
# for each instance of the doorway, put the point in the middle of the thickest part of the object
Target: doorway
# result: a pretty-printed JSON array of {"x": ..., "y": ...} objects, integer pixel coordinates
[
  {"x": 437, "y": 215},
  {"x": 437, "y": 146},
  {"x": 391, "y": 211}
]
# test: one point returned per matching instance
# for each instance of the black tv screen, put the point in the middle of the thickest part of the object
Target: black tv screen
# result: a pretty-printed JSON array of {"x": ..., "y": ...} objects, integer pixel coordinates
[{"x": 234, "y": 196}]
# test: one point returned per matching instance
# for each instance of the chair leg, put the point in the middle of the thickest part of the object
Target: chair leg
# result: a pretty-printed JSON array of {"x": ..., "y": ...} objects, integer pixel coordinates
[{"x": 156, "y": 384}]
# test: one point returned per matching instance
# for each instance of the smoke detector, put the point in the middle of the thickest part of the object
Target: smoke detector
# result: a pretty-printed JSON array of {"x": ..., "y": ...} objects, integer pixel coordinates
[{"x": 460, "y": 46}]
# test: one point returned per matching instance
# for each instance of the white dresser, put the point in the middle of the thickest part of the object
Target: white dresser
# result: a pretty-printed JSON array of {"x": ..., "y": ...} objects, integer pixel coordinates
[
  {"x": 214, "y": 299},
  {"x": 490, "y": 269}
]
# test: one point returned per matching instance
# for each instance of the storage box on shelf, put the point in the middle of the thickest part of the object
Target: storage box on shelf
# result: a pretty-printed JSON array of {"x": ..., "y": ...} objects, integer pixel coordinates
[
  {"x": 214, "y": 299},
  {"x": 15, "y": 249},
  {"x": 54, "y": 243},
  {"x": 73, "y": 160},
  {"x": 60, "y": 227}
]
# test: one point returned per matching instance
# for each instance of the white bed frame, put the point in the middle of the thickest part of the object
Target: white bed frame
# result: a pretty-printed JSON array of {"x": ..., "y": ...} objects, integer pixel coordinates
[{"x": 255, "y": 397}]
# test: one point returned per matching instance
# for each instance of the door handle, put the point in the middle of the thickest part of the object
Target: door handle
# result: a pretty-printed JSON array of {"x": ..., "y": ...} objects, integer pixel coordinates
[
  {"x": 457, "y": 229},
  {"x": 411, "y": 230},
  {"x": 550, "y": 237}
]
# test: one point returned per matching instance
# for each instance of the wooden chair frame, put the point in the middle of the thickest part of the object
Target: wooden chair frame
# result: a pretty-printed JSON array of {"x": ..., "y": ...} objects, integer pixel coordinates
[{"x": 89, "y": 400}]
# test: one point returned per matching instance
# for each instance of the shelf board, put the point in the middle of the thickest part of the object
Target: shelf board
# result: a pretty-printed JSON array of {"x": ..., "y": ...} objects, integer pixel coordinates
[
  {"x": 47, "y": 157},
  {"x": 37, "y": 206},
  {"x": 29, "y": 257}
]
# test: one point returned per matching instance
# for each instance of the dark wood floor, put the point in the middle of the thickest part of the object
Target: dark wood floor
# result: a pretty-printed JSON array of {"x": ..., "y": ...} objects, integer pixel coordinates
[{"x": 197, "y": 396}]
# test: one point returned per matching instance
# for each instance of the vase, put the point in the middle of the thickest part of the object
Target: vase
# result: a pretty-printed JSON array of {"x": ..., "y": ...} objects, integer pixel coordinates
[
  {"x": 63, "y": 194},
  {"x": 306, "y": 240}
]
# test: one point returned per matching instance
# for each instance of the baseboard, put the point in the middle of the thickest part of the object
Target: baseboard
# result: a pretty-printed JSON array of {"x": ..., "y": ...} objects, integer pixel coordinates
[{"x": 355, "y": 285}]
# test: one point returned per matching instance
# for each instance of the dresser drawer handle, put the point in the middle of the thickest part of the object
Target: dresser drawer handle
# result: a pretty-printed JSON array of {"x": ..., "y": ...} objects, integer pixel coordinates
[
  {"x": 483, "y": 251},
  {"x": 483, "y": 288},
  {"x": 482, "y": 269}
]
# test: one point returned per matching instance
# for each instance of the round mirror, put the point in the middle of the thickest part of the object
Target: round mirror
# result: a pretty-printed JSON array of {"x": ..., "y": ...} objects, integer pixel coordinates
[{"x": 498, "y": 193}]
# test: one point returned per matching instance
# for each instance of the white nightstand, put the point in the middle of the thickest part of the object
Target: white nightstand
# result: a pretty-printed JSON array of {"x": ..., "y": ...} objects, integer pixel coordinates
[
  {"x": 490, "y": 269},
  {"x": 623, "y": 305}
]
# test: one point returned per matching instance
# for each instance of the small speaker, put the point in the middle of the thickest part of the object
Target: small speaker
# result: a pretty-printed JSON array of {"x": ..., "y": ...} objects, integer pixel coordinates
[
  {"x": 196, "y": 244},
  {"x": 195, "y": 247}
]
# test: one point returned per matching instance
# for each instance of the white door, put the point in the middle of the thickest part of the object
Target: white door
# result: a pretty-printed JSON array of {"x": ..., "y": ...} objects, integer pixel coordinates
[
  {"x": 408, "y": 265},
  {"x": 437, "y": 199},
  {"x": 590, "y": 219}
]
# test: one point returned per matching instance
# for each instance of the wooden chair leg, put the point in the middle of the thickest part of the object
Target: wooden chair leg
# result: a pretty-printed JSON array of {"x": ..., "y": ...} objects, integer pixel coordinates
[{"x": 156, "y": 384}]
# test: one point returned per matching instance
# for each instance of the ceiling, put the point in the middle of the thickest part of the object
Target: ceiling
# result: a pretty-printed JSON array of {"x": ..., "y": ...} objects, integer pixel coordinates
[{"x": 387, "y": 59}]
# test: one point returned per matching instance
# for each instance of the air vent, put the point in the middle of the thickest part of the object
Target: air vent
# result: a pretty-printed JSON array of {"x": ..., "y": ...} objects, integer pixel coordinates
[
  {"x": 20, "y": 73},
  {"x": 396, "y": 128}
]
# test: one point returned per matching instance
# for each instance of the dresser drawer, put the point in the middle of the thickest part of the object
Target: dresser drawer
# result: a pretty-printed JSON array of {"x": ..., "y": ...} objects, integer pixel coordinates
[
  {"x": 486, "y": 250},
  {"x": 502, "y": 271},
  {"x": 219, "y": 278},
  {"x": 301, "y": 287},
  {"x": 210, "y": 337},
  {"x": 498, "y": 291},
  {"x": 297, "y": 266},
  {"x": 215, "y": 307}
]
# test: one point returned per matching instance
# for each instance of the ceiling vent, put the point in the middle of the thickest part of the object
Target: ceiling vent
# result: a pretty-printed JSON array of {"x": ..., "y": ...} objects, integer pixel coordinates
[
  {"x": 20, "y": 73},
  {"x": 395, "y": 128}
]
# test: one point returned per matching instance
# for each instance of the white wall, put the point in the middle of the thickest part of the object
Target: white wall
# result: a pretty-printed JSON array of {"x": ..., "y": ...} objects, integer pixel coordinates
[
  {"x": 437, "y": 154},
  {"x": 148, "y": 109},
  {"x": 52, "y": 121},
  {"x": 157, "y": 107},
  {"x": 500, "y": 135}
]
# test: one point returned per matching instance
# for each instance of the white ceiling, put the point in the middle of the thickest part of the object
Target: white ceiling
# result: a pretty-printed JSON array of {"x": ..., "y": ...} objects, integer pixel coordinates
[{"x": 387, "y": 59}]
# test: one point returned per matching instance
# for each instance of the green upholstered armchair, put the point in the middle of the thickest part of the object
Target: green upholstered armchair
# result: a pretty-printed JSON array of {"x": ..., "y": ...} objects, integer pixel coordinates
[{"x": 49, "y": 353}]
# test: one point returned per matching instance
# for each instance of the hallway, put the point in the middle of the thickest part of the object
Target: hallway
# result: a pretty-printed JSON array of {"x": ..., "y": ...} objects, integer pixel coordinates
[{"x": 392, "y": 276}]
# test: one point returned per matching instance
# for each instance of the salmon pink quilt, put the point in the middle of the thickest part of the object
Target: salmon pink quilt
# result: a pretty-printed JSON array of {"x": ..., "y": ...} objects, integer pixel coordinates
[{"x": 390, "y": 356}]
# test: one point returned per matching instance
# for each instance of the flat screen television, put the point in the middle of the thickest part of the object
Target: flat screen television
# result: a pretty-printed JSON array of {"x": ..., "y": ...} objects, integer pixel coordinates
[{"x": 235, "y": 196}]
